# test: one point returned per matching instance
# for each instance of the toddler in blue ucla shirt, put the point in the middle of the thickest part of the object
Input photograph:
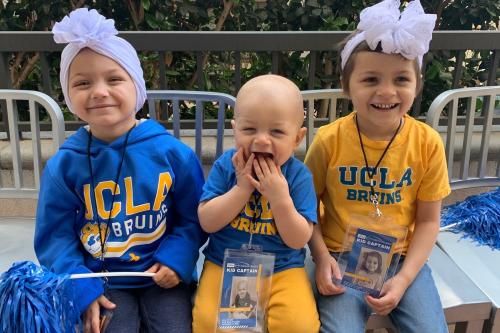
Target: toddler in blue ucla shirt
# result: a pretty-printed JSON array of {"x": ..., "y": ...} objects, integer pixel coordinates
[
  {"x": 120, "y": 194},
  {"x": 259, "y": 188}
]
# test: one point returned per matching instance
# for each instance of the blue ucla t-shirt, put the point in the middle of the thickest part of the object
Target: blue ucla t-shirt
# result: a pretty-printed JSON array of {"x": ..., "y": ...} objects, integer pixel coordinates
[{"x": 257, "y": 213}]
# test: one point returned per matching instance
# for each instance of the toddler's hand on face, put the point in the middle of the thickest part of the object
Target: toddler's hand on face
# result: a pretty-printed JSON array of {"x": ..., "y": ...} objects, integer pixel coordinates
[
  {"x": 271, "y": 182},
  {"x": 243, "y": 170}
]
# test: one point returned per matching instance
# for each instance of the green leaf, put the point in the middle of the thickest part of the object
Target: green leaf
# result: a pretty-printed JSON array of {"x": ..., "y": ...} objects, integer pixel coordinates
[
  {"x": 492, "y": 13},
  {"x": 313, "y": 3},
  {"x": 432, "y": 72},
  {"x": 304, "y": 20},
  {"x": 341, "y": 21},
  {"x": 316, "y": 12},
  {"x": 172, "y": 72},
  {"x": 479, "y": 104},
  {"x": 327, "y": 11},
  {"x": 300, "y": 11},
  {"x": 145, "y": 4},
  {"x": 445, "y": 76},
  {"x": 151, "y": 21}
]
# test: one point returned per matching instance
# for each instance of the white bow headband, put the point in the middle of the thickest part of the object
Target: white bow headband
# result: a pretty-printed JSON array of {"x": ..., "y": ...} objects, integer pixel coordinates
[
  {"x": 407, "y": 33},
  {"x": 87, "y": 28}
]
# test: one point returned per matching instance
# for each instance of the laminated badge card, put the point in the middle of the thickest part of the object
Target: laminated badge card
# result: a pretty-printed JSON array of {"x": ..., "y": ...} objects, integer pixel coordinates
[
  {"x": 369, "y": 261},
  {"x": 238, "y": 304}
]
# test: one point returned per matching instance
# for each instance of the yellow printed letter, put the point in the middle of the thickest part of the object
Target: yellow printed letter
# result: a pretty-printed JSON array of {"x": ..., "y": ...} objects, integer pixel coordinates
[
  {"x": 130, "y": 209},
  {"x": 89, "y": 212},
  {"x": 99, "y": 198},
  {"x": 164, "y": 182}
]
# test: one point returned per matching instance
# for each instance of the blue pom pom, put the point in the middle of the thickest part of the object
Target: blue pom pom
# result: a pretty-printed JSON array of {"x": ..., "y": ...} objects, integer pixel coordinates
[
  {"x": 36, "y": 300},
  {"x": 477, "y": 218}
]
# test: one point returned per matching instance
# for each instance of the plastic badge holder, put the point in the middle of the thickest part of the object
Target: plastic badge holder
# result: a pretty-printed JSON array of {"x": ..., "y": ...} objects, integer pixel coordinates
[
  {"x": 245, "y": 290},
  {"x": 371, "y": 251}
]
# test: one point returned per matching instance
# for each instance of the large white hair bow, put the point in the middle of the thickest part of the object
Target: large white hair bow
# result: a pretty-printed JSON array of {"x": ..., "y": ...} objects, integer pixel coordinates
[
  {"x": 407, "y": 33},
  {"x": 87, "y": 28}
]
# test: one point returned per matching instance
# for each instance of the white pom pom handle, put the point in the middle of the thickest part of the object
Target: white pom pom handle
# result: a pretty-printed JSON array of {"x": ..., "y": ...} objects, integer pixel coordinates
[
  {"x": 110, "y": 274},
  {"x": 448, "y": 227}
]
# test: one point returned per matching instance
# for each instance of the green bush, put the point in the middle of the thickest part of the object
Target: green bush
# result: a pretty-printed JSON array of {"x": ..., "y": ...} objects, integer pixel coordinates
[{"x": 244, "y": 15}]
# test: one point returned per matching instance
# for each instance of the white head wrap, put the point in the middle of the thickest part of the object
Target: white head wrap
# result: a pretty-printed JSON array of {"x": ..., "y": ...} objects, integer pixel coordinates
[
  {"x": 407, "y": 33},
  {"x": 87, "y": 28}
]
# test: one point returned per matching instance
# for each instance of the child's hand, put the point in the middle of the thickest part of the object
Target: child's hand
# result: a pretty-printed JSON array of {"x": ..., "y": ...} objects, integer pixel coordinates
[
  {"x": 391, "y": 294},
  {"x": 327, "y": 269},
  {"x": 164, "y": 276},
  {"x": 91, "y": 315},
  {"x": 271, "y": 182},
  {"x": 243, "y": 170}
]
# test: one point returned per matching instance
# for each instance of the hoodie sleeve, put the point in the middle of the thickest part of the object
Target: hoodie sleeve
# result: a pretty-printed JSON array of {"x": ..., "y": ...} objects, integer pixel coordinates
[
  {"x": 57, "y": 245},
  {"x": 179, "y": 250}
]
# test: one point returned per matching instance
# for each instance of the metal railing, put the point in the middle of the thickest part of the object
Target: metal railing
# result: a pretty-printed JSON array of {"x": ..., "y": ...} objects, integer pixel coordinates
[
  {"x": 237, "y": 43},
  {"x": 449, "y": 101},
  {"x": 474, "y": 122},
  {"x": 332, "y": 97},
  {"x": 223, "y": 102},
  {"x": 175, "y": 97},
  {"x": 35, "y": 99}
]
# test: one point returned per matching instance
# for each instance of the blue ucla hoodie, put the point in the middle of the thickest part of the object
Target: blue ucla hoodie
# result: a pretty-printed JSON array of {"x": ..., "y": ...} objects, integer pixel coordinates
[{"x": 154, "y": 215}]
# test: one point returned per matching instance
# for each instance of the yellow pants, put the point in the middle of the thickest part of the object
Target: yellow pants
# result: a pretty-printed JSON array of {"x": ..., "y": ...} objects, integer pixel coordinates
[{"x": 291, "y": 307}]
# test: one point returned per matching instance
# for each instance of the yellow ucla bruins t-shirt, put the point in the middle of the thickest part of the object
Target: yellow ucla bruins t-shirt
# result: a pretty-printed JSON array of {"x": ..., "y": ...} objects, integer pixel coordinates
[{"x": 414, "y": 168}]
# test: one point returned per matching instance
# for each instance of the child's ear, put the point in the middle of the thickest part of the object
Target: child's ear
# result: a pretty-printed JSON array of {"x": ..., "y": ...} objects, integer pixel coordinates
[{"x": 300, "y": 136}]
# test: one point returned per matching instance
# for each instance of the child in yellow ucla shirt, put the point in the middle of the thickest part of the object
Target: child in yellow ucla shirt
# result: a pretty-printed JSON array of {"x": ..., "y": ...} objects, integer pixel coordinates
[{"x": 379, "y": 149}]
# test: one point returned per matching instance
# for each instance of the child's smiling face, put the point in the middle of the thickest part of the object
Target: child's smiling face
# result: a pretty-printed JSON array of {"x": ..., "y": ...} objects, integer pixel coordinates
[
  {"x": 102, "y": 94},
  {"x": 268, "y": 118},
  {"x": 242, "y": 290},
  {"x": 382, "y": 88},
  {"x": 371, "y": 264}
]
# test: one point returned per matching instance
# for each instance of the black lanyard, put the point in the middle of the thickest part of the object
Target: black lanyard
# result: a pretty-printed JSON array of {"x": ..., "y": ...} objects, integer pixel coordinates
[
  {"x": 102, "y": 237},
  {"x": 373, "y": 195}
]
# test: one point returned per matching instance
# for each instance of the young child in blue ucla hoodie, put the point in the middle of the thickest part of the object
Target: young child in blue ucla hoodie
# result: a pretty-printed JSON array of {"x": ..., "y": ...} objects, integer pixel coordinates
[{"x": 120, "y": 194}]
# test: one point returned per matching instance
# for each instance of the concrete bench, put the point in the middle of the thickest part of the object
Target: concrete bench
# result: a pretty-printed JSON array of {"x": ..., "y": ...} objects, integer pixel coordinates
[
  {"x": 465, "y": 305},
  {"x": 482, "y": 266},
  {"x": 17, "y": 241}
]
